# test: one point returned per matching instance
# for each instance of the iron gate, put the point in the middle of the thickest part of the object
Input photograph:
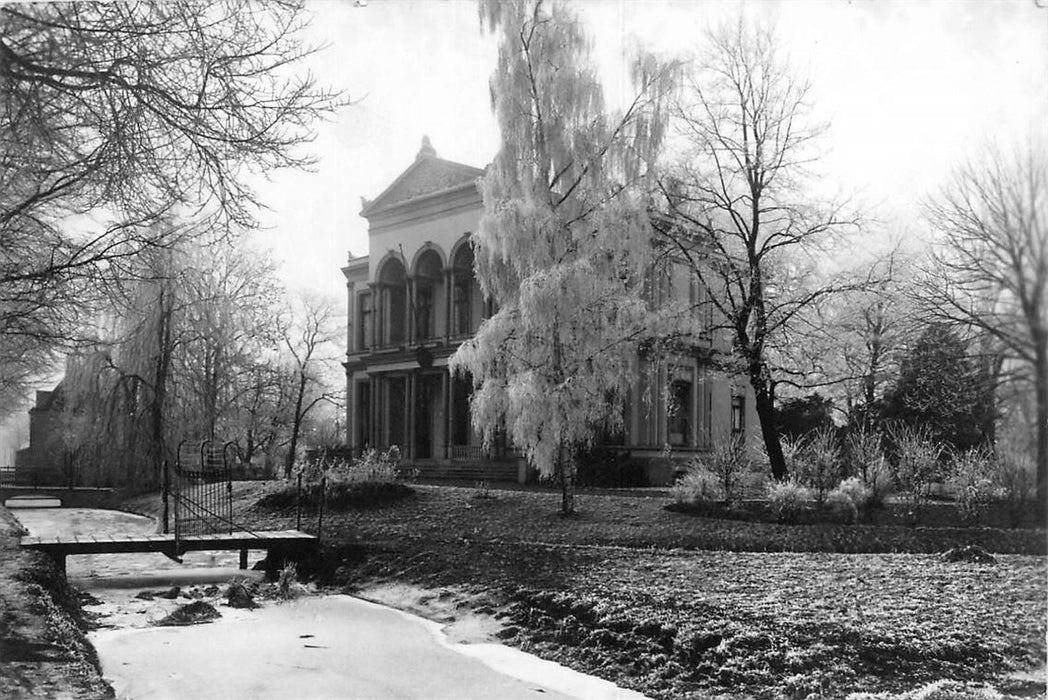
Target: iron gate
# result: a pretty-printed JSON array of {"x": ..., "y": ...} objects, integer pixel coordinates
[{"x": 201, "y": 488}]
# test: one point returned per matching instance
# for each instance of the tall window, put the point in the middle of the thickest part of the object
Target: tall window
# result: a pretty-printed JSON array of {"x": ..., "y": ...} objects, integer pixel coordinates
[
  {"x": 462, "y": 291},
  {"x": 366, "y": 321},
  {"x": 424, "y": 312},
  {"x": 680, "y": 417},
  {"x": 393, "y": 303},
  {"x": 396, "y": 299},
  {"x": 429, "y": 294},
  {"x": 462, "y": 307},
  {"x": 702, "y": 303},
  {"x": 738, "y": 414}
]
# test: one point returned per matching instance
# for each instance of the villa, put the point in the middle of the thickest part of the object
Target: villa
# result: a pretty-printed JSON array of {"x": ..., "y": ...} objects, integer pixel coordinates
[{"x": 414, "y": 299}]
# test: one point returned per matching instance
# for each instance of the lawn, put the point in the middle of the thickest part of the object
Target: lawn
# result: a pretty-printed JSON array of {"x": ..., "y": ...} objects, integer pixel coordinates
[{"x": 659, "y": 602}]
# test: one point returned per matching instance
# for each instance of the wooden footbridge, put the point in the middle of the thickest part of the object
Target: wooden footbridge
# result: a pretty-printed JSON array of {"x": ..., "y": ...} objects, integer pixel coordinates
[{"x": 198, "y": 492}]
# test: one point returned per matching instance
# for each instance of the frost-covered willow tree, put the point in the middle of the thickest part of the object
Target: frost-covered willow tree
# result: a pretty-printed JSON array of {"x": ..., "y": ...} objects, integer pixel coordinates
[
  {"x": 564, "y": 241},
  {"x": 177, "y": 358}
]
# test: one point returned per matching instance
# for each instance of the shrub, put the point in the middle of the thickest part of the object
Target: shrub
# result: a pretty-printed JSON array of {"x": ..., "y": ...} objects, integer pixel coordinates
[
  {"x": 917, "y": 464},
  {"x": 863, "y": 453},
  {"x": 370, "y": 480},
  {"x": 841, "y": 506},
  {"x": 818, "y": 464},
  {"x": 971, "y": 476},
  {"x": 1015, "y": 481},
  {"x": 880, "y": 480},
  {"x": 372, "y": 467},
  {"x": 859, "y": 493},
  {"x": 288, "y": 586},
  {"x": 697, "y": 488},
  {"x": 788, "y": 500},
  {"x": 849, "y": 499},
  {"x": 728, "y": 464},
  {"x": 791, "y": 451}
]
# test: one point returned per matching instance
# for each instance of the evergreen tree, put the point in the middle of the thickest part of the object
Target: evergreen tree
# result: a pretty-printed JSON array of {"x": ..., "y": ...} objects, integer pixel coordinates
[{"x": 945, "y": 391}]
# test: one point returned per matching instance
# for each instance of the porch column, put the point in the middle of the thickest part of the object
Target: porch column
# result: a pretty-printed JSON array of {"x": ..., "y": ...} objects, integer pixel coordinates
[
  {"x": 376, "y": 400},
  {"x": 409, "y": 313},
  {"x": 449, "y": 280},
  {"x": 377, "y": 306},
  {"x": 410, "y": 418},
  {"x": 449, "y": 403}
]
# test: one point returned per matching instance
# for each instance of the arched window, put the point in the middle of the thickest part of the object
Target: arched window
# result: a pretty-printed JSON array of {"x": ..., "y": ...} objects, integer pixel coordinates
[
  {"x": 464, "y": 292},
  {"x": 393, "y": 303},
  {"x": 429, "y": 295}
]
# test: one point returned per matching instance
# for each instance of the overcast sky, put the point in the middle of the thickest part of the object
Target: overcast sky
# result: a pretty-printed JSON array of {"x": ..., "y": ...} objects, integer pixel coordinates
[{"x": 910, "y": 88}]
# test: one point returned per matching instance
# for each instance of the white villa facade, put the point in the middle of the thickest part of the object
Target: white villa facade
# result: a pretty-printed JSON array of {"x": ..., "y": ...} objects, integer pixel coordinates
[{"x": 414, "y": 299}]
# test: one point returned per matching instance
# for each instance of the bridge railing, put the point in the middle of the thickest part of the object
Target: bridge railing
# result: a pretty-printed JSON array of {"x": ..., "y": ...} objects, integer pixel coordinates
[{"x": 11, "y": 476}]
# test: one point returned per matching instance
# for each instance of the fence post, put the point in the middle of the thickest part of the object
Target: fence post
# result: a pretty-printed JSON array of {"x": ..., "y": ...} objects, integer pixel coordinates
[
  {"x": 165, "y": 494},
  {"x": 228, "y": 475},
  {"x": 323, "y": 500},
  {"x": 298, "y": 504}
]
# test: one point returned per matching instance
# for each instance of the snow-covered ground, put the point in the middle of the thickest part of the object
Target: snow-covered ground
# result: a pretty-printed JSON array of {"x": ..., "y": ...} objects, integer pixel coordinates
[{"x": 326, "y": 646}]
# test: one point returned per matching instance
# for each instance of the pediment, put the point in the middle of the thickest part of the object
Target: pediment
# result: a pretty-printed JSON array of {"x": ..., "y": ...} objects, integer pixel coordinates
[{"x": 427, "y": 175}]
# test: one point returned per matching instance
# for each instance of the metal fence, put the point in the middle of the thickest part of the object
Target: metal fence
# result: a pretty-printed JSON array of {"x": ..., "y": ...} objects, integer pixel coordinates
[{"x": 200, "y": 488}]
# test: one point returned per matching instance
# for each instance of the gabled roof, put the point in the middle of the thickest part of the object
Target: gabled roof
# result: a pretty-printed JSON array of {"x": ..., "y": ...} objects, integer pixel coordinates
[
  {"x": 428, "y": 175},
  {"x": 50, "y": 400}
]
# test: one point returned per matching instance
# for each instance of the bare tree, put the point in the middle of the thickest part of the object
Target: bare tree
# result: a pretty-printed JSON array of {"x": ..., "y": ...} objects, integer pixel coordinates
[
  {"x": 989, "y": 266},
  {"x": 314, "y": 328},
  {"x": 742, "y": 216},
  {"x": 263, "y": 405},
  {"x": 113, "y": 116}
]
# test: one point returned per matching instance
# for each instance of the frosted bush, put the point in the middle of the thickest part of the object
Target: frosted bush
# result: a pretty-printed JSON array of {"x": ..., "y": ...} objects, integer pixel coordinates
[
  {"x": 971, "y": 477},
  {"x": 859, "y": 493},
  {"x": 697, "y": 487},
  {"x": 879, "y": 481},
  {"x": 728, "y": 464},
  {"x": 788, "y": 500},
  {"x": 865, "y": 458},
  {"x": 918, "y": 464},
  {"x": 818, "y": 463},
  {"x": 842, "y": 506},
  {"x": 372, "y": 467}
]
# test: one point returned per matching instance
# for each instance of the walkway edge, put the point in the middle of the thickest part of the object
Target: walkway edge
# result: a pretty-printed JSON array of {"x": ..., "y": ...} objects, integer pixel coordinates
[{"x": 43, "y": 645}]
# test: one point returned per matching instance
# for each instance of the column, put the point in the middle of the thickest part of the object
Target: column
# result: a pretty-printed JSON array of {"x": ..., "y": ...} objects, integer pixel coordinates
[
  {"x": 448, "y": 415},
  {"x": 410, "y": 417},
  {"x": 372, "y": 340},
  {"x": 373, "y": 440},
  {"x": 409, "y": 313},
  {"x": 449, "y": 281}
]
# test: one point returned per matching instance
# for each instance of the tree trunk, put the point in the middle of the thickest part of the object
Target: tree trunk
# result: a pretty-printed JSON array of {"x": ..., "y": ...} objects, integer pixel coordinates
[
  {"x": 1041, "y": 391},
  {"x": 162, "y": 369},
  {"x": 296, "y": 425},
  {"x": 566, "y": 469},
  {"x": 765, "y": 405}
]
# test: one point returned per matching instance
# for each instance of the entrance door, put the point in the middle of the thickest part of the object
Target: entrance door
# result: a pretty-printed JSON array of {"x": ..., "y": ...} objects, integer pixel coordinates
[
  {"x": 429, "y": 416},
  {"x": 396, "y": 388}
]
